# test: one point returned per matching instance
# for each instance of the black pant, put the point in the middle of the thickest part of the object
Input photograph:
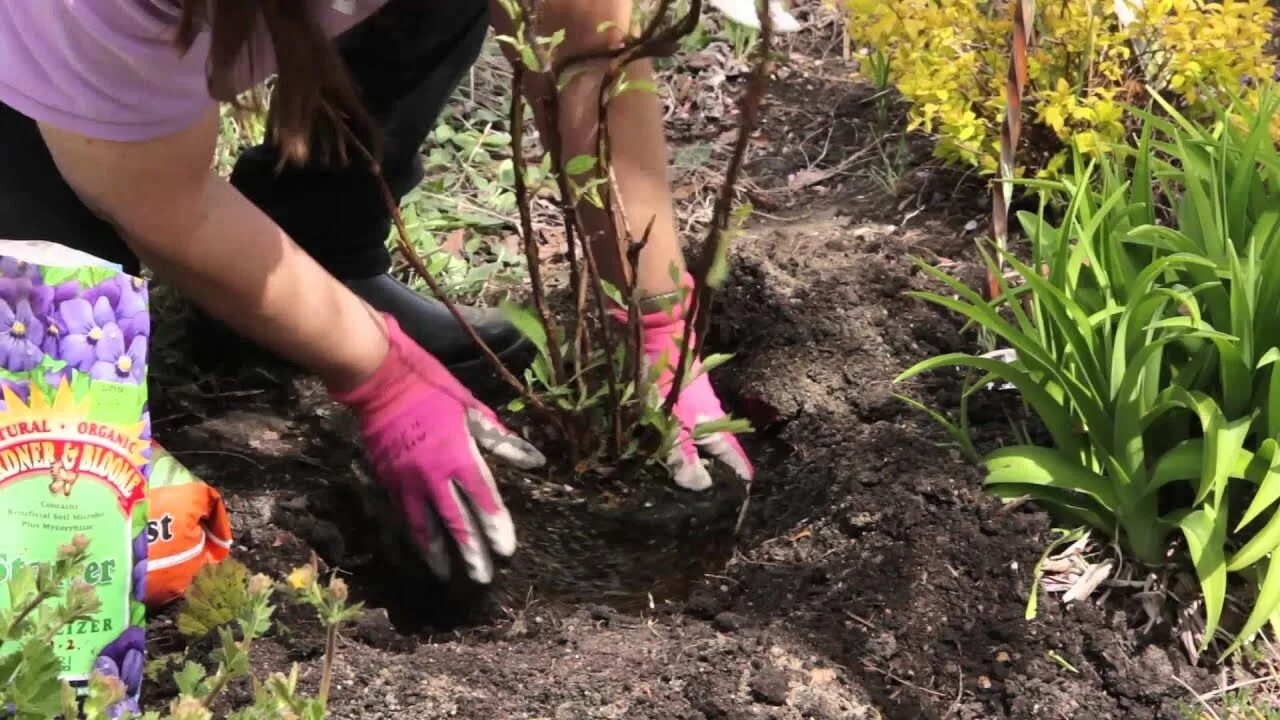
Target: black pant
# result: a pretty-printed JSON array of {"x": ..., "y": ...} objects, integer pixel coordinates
[{"x": 406, "y": 59}]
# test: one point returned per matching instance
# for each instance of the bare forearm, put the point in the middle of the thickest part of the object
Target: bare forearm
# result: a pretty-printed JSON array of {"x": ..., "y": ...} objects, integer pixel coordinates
[
  {"x": 198, "y": 232},
  {"x": 638, "y": 150},
  {"x": 239, "y": 266}
]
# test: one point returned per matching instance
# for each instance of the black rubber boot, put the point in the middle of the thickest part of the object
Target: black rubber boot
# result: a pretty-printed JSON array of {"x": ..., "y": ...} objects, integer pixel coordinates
[
  {"x": 215, "y": 347},
  {"x": 432, "y": 326}
]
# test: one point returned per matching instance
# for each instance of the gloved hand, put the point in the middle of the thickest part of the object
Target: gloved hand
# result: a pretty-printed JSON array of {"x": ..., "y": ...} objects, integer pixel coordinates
[
  {"x": 423, "y": 432},
  {"x": 662, "y": 331}
]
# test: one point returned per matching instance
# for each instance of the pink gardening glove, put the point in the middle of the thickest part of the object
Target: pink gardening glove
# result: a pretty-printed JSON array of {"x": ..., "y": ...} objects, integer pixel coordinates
[
  {"x": 421, "y": 428},
  {"x": 662, "y": 332}
]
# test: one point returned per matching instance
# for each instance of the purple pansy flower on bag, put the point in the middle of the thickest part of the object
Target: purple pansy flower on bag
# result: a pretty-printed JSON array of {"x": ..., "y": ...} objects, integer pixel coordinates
[
  {"x": 22, "y": 286},
  {"x": 124, "y": 655},
  {"x": 106, "y": 666},
  {"x": 85, "y": 327},
  {"x": 22, "y": 390},
  {"x": 131, "y": 308},
  {"x": 116, "y": 362},
  {"x": 127, "y": 297},
  {"x": 119, "y": 710},
  {"x": 124, "y": 658},
  {"x": 47, "y": 301},
  {"x": 109, "y": 289},
  {"x": 55, "y": 329},
  {"x": 140, "y": 566},
  {"x": 21, "y": 333},
  {"x": 65, "y": 291},
  {"x": 39, "y": 296},
  {"x": 12, "y": 267}
]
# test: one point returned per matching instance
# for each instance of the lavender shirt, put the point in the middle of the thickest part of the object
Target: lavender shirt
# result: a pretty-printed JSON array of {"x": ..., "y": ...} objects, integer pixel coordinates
[{"x": 108, "y": 68}]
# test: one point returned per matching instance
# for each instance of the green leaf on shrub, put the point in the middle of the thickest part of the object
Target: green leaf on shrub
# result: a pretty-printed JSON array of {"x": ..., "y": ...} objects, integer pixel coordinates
[
  {"x": 526, "y": 321},
  {"x": 733, "y": 426},
  {"x": 580, "y": 164}
]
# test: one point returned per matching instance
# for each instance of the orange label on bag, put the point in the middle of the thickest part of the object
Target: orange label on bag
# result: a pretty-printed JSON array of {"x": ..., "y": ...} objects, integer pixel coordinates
[{"x": 188, "y": 527}]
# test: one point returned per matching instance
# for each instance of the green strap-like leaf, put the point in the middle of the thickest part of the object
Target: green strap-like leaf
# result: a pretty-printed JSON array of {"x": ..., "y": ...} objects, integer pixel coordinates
[
  {"x": 1272, "y": 410},
  {"x": 1259, "y": 546},
  {"x": 1068, "y": 318},
  {"x": 1206, "y": 532},
  {"x": 1033, "y": 465},
  {"x": 1073, "y": 507},
  {"x": 1185, "y": 461},
  {"x": 1263, "y": 471},
  {"x": 1265, "y": 606},
  {"x": 1052, "y": 413},
  {"x": 1224, "y": 443}
]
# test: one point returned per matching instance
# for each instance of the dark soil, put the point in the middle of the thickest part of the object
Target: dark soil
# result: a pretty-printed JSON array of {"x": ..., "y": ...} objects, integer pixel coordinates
[{"x": 872, "y": 577}]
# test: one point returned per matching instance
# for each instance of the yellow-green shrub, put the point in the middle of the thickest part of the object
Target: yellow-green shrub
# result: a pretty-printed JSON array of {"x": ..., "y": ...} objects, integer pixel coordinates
[{"x": 949, "y": 60}]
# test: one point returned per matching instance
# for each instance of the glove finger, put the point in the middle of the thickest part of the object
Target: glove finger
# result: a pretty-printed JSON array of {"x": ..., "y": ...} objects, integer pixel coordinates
[
  {"x": 726, "y": 448},
  {"x": 742, "y": 12},
  {"x": 500, "y": 441},
  {"x": 461, "y": 526},
  {"x": 427, "y": 535},
  {"x": 783, "y": 21},
  {"x": 482, "y": 491},
  {"x": 686, "y": 467}
]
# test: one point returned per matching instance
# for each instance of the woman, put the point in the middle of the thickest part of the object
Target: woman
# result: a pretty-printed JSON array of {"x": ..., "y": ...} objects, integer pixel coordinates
[{"x": 108, "y": 121}]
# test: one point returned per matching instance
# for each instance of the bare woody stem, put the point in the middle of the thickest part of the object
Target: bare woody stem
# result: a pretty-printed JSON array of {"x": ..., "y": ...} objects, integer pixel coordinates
[
  {"x": 633, "y": 304},
  {"x": 526, "y": 227},
  {"x": 698, "y": 312},
  {"x": 553, "y": 143},
  {"x": 613, "y": 210}
]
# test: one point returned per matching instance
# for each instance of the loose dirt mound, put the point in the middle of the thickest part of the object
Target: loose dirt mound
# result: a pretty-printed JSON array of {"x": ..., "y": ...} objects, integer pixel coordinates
[{"x": 872, "y": 575}]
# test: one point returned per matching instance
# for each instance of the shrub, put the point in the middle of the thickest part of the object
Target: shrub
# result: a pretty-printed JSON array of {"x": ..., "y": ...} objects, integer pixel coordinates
[
  {"x": 589, "y": 379},
  {"x": 949, "y": 59},
  {"x": 1149, "y": 352}
]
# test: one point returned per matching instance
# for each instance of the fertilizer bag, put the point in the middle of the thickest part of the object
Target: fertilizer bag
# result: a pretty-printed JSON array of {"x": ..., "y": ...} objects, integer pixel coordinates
[{"x": 75, "y": 441}]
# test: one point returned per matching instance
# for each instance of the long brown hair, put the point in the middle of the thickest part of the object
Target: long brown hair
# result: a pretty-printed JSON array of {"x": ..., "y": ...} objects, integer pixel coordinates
[{"x": 314, "y": 96}]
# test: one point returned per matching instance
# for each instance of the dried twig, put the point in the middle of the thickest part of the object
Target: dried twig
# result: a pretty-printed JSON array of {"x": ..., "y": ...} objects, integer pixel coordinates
[
  {"x": 866, "y": 665},
  {"x": 1203, "y": 702},
  {"x": 1015, "y": 88}
]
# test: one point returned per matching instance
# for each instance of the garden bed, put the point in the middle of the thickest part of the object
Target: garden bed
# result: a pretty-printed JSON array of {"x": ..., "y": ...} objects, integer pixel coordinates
[{"x": 871, "y": 577}]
